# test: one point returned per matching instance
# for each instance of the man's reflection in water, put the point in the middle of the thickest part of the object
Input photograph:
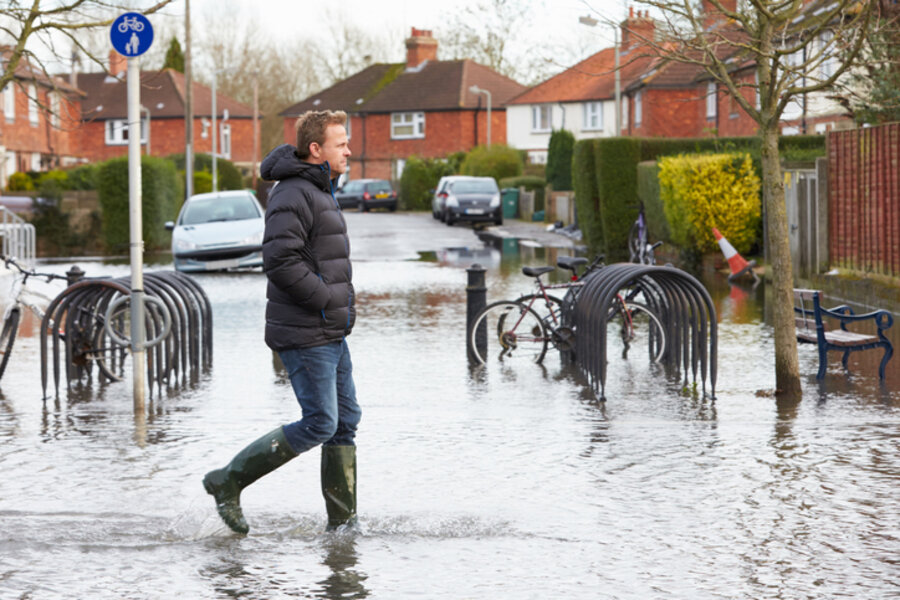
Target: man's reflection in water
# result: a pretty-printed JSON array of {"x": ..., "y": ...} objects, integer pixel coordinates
[{"x": 344, "y": 581}]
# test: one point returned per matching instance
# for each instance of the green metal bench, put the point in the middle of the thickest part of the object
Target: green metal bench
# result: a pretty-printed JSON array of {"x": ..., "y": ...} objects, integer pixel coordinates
[{"x": 812, "y": 328}]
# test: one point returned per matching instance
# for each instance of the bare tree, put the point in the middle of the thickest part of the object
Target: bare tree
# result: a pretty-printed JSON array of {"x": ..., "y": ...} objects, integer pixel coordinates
[
  {"x": 782, "y": 50},
  {"x": 486, "y": 32},
  {"x": 344, "y": 49},
  {"x": 45, "y": 37}
]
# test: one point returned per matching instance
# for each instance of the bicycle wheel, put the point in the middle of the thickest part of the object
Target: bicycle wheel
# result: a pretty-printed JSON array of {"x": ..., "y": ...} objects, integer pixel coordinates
[
  {"x": 8, "y": 337},
  {"x": 637, "y": 325},
  {"x": 508, "y": 332}
]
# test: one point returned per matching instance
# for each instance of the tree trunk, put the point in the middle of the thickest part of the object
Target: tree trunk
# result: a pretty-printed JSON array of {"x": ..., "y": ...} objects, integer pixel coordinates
[{"x": 787, "y": 367}]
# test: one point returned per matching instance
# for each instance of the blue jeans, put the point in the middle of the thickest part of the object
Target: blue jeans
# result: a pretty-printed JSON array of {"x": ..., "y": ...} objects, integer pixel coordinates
[{"x": 322, "y": 378}]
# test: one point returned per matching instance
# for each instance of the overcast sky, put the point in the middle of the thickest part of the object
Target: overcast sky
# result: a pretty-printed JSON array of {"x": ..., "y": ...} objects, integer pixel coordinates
[{"x": 555, "y": 19}]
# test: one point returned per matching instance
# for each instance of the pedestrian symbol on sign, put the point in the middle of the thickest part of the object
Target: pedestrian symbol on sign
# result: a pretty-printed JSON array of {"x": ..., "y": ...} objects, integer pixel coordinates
[{"x": 131, "y": 34}]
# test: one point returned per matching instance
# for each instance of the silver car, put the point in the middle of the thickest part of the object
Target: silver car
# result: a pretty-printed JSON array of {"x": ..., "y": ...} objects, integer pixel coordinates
[{"x": 218, "y": 231}]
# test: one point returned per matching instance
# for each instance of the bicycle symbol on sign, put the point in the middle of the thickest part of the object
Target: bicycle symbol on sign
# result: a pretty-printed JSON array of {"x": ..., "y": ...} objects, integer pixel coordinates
[{"x": 130, "y": 23}]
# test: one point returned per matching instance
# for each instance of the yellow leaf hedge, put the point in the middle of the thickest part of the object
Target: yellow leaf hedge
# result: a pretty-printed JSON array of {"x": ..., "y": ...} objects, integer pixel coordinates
[{"x": 702, "y": 191}]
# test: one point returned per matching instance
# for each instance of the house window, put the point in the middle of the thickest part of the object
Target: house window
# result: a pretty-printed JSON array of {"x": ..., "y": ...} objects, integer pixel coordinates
[
  {"x": 117, "y": 132},
  {"x": 35, "y": 161},
  {"x": 541, "y": 117},
  {"x": 711, "y": 100},
  {"x": 638, "y": 108},
  {"x": 9, "y": 102},
  {"x": 827, "y": 65},
  {"x": 407, "y": 125},
  {"x": 32, "y": 105},
  {"x": 593, "y": 116},
  {"x": 224, "y": 149},
  {"x": 347, "y": 127},
  {"x": 54, "y": 109}
]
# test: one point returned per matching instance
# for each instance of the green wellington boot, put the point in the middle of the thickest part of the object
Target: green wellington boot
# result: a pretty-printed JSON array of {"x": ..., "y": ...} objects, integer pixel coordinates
[
  {"x": 339, "y": 485},
  {"x": 259, "y": 458}
]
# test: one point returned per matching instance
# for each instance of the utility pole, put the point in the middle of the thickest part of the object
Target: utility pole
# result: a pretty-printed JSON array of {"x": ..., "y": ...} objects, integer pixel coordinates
[
  {"x": 255, "y": 124},
  {"x": 188, "y": 106}
]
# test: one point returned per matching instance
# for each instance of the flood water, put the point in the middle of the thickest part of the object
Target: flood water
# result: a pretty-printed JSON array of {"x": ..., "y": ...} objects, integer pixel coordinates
[{"x": 511, "y": 483}]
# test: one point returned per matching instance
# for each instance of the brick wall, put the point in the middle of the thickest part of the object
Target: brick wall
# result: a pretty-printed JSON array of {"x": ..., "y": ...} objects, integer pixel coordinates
[
  {"x": 45, "y": 136},
  {"x": 668, "y": 113},
  {"x": 167, "y": 137}
]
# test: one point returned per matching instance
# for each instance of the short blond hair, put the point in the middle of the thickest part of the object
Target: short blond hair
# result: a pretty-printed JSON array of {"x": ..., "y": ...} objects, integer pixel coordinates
[{"x": 311, "y": 126}]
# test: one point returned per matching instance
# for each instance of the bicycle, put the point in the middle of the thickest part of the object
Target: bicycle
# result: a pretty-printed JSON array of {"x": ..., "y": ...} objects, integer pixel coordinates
[
  {"x": 520, "y": 332},
  {"x": 640, "y": 250},
  {"x": 86, "y": 349}
]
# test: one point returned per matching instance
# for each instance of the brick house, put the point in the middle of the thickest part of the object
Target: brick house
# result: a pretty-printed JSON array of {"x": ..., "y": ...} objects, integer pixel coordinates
[
  {"x": 424, "y": 108},
  {"x": 39, "y": 121},
  {"x": 673, "y": 99},
  {"x": 659, "y": 98},
  {"x": 581, "y": 99},
  {"x": 104, "y": 110}
]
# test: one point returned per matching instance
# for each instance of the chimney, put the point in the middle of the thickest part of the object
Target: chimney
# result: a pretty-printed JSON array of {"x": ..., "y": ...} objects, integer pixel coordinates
[
  {"x": 712, "y": 16},
  {"x": 420, "y": 46},
  {"x": 637, "y": 29},
  {"x": 118, "y": 64}
]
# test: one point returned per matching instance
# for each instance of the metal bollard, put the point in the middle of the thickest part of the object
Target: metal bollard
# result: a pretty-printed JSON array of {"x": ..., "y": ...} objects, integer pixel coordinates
[
  {"x": 74, "y": 275},
  {"x": 476, "y": 300}
]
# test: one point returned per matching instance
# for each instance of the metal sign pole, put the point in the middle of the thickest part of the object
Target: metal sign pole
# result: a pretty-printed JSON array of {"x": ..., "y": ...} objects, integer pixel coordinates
[
  {"x": 136, "y": 229},
  {"x": 131, "y": 35}
]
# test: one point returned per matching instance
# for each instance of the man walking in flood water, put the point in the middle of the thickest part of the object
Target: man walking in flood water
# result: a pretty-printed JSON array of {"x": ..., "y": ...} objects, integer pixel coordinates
[{"x": 309, "y": 313}]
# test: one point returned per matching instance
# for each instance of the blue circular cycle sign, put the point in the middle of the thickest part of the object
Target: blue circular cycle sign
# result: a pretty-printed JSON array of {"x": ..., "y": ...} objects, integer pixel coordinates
[{"x": 131, "y": 34}]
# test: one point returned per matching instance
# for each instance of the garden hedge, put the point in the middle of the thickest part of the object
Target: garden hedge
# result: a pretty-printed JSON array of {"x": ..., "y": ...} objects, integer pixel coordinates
[{"x": 161, "y": 193}]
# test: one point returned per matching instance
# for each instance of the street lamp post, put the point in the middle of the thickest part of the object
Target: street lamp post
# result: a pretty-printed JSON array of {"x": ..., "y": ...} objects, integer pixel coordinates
[
  {"x": 592, "y": 22},
  {"x": 477, "y": 90},
  {"x": 215, "y": 133}
]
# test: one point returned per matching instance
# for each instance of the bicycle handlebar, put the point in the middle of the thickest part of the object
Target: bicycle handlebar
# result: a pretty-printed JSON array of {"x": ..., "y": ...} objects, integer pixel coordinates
[{"x": 9, "y": 260}]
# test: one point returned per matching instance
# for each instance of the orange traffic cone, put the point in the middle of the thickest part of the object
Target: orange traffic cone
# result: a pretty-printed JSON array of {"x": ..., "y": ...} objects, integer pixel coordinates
[{"x": 736, "y": 262}]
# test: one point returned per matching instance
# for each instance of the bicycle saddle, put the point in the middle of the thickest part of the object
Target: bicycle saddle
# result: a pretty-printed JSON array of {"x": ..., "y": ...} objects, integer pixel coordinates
[
  {"x": 571, "y": 262},
  {"x": 537, "y": 271}
]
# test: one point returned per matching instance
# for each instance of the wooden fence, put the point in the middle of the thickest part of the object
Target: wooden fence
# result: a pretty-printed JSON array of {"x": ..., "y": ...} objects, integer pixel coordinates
[{"x": 864, "y": 199}]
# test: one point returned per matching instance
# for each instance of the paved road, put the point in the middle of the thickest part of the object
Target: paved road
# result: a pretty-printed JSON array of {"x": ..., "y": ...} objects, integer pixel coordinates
[{"x": 393, "y": 236}]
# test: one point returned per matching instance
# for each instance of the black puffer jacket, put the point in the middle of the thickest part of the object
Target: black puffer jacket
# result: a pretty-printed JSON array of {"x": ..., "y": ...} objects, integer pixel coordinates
[{"x": 306, "y": 254}]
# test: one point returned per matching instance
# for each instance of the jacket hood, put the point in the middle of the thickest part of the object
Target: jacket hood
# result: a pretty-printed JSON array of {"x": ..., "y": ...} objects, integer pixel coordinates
[{"x": 282, "y": 162}]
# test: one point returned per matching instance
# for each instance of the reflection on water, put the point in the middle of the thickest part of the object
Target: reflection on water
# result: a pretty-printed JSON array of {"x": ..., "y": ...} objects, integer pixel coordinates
[{"x": 499, "y": 482}]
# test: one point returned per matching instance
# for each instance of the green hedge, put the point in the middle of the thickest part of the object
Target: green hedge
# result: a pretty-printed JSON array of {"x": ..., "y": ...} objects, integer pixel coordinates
[
  {"x": 615, "y": 161},
  {"x": 617, "y": 190},
  {"x": 587, "y": 203},
  {"x": 559, "y": 160},
  {"x": 499, "y": 161},
  {"x": 161, "y": 195},
  {"x": 702, "y": 191},
  {"x": 420, "y": 177},
  {"x": 529, "y": 182},
  {"x": 229, "y": 176}
]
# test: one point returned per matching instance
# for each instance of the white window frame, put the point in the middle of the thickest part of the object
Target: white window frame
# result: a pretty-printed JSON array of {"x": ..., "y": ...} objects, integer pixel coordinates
[
  {"x": 35, "y": 161},
  {"x": 827, "y": 66},
  {"x": 347, "y": 127},
  {"x": 9, "y": 102},
  {"x": 541, "y": 118},
  {"x": 399, "y": 166},
  {"x": 55, "y": 104},
  {"x": 32, "y": 104},
  {"x": 224, "y": 149},
  {"x": 712, "y": 100},
  {"x": 638, "y": 107},
  {"x": 415, "y": 121},
  {"x": 593, "y": 116},
  {"x": 115, "y": 132}
]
